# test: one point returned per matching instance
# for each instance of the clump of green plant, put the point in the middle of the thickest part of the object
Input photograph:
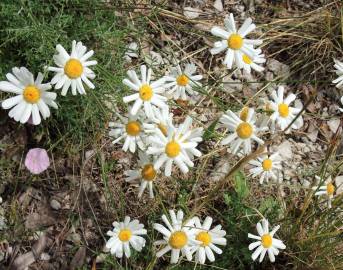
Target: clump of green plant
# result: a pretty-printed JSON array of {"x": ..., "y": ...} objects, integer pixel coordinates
[{"x": 30, "y": 32}]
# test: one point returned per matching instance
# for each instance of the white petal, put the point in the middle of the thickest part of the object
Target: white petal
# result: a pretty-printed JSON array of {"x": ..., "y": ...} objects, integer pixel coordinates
[
  {"x": 175, "y": 255},
  {"x": 263, "y": 253},
  {"x": 136, "y": 106},
  {"x": 127, "y": 249},
  {"x": 17, "y": 111},
  {"x": 11, "y": 102},
  {"x": 209, "y": 254},
  {"x": 217, "y": 31},
  {"x": 36, "y": 119},
  {"x": 26, "y": 113},
  {"x": 163, "y": 251},
  {"x": 130, "y": 84},
  {"x": 10, "y": 87},
  {"x": 254, "y": 245},
  {"x": 271, "y": 255},
  {"x": 87, "y": 55},
  {"x": 256, "y": 253}
]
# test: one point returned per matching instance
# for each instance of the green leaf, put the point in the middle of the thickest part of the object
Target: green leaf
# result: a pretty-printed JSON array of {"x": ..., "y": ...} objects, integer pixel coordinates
[
  {"x": 241, "y": 185},
  {"x": 227, "y": 199},
  {"x": 269, "y": 206},
  {"x": 209, "y": 132}
]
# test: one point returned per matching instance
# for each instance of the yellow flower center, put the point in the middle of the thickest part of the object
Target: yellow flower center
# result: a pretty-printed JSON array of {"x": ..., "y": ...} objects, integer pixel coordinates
[
  {"x": 266, "y": 240},
  {"x": 133, "y": 128},
  {"x": 244, "y": 130},
  {"x": 330, "y": 189},
  {"x": 235, "y": 42},
  {"x": 283, "y": 110},
  {"x": 31, "y": 94},
  {"x": 244, "y": 114},
  {"x": 163, "y": 129},
  {"x": 267, "y": 164},
  {"x": 145, "y": 92},
  {"x": 148, "y": 172},
  {"x": 182, "y": 80},
  {"x": 124, "y": 235},
  {"x": 204, "y": 237},
  {"x": 178, "y": 239},
  {"x": 172, "y": 149},
  {"x": 73, "y": 68},
  {"x": 247, "y": 59}
]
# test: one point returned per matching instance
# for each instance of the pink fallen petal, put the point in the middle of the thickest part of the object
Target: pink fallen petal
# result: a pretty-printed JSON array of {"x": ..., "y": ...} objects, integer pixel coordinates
[{"x": 37, "y": 160}]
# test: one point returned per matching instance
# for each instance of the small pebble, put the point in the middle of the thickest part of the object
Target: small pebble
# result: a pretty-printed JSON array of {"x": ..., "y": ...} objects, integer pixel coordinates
[{"x": 56, "y": 205}]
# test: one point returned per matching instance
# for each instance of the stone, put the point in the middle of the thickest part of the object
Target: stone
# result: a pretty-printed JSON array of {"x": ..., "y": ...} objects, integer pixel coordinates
[
  {"x": 45, "y": 257},
  {"x": 56, "y": 205},
  {"x": 339, "y": 184},
  {"x": 75, "y": 238},
  {"x": 36, "y": 220},
  {"x": 153, "y": 59},
  {"x": 218, "y": 5},
  {"x": 131, "y": 51},
  {"x": 313, "y": 135},
  {"x": 306, "y": 183},
  {"x": 89, "y": 154},
  {"x": 285, "y": 150},
  {"x": 269, "y": 76},
  {"x": 230, "y": 85},
  {"x": 101, "y": 258},
  {"x": 220, "y": 171},
  {"x": 202, "y": 27},
  {"x": 191, "y": 13},
  {"x": 334, "y": 124},
  {"x": 307, "y": 149},
  {"x": 240, "y": 8},
  {"x": 78, "y": 259},
  {"x": 278, "y": 68}
]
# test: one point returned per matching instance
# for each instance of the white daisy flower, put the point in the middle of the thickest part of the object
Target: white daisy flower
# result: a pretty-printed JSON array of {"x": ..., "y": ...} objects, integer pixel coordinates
[
  {"x": 161, "y": 119},
  {"x": 255, "y": 62},
  {"x": 149, "y": 93},
  {"x": 125, "y": 235},
  {"x": 73, "y": 70},
  {"x": 235, "y": 42},
  {"x": 339, "y": 71},
  {"x": 208, "y": 239},
  {"x": 131, "y": 129},
  {"x": 283, "y": 113},
  {"x": 243, "y": 132},
  {"x": 328, "y": 189},
  {"x": 32, "y": 97},
  {"x": 266, "y": 167},
  {"x": 172, "y": 147},
  {"x": 190, "y": 134},
  {"x": 181, "y": 82},
  {"x": 177, "y": 237},
  {"x": 266, "y": 243},
  {"x": 146, "y": 174}
]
